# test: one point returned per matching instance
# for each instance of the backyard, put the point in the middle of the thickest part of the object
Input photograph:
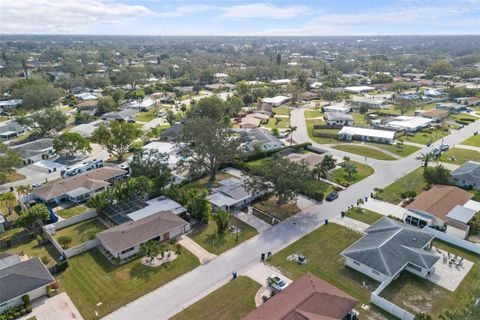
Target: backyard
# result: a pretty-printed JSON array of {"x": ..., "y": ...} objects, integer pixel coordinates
[
  {"x": 459, "y": 156},
  {"x": 81, "y": 232},
  {"x": 421, "y": 295},
  {"x": 282, "y": 111},
  {"x": 313, "y": 113},
  {"x": 472, "y": 141},
  {"x": 204, "y": 183},
  {"x": 91, "y": 279},
  {"x": 232, "y": 301},
  {"x": 364, "y": 215},
  {"x": 413, "y": 181},
  {"x": 281, "y": 212},
  {"x": 280, "y": 123},
  {"x": 211, "y": 241},
  {"x": 340, "y": 176},
  {"x": 72, "y": 211},
  {"x": 364, "y": 151},
  {"x": 147, "y": 116}
]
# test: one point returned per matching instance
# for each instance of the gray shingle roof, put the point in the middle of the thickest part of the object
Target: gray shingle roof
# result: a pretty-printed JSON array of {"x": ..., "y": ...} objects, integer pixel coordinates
[
  {"x": 469, "y": 171},
  {"x": 389, "y": 245},
  {"x": 21, "y": 278}
]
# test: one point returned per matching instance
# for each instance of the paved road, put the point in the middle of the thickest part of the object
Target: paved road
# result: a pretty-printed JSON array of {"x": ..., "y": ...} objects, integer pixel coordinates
[{"x": 178, "y": 294}]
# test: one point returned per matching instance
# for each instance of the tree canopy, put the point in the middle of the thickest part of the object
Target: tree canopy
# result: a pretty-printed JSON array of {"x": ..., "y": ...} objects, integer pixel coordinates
[
  {"x": 154, "y": 165},
  {"x": 70, "y": 143},
  {"x": 44, "y": 122},
  {"x": 9, "y": 160},
  {"x": 116, "y": 137}
]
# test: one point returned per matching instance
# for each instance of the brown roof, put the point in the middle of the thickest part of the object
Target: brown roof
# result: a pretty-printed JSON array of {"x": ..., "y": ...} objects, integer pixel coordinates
[
  {"x": 311, "y": 159},
  {"x": 133, "y": 233},
  {"x": 87, "y": 104},
  {"x": 440, "y": 200},
  {"x": 307, "y": 298},
  {"x": 91, "y": 180},
  {"x": 435, "y": 113}
]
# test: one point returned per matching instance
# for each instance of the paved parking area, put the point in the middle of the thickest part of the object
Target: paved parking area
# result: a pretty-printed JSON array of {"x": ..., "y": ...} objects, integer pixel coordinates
[
  {"x": 252, "y": 220},
  {"x": 57, "y": 307},
  {"x": 260, "y": 272},
  {"x": 203, "y": 255},
  {"x": 384, "y": 208}
]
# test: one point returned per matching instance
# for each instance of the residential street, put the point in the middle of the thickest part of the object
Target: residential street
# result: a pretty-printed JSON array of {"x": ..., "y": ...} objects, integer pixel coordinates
[{"x": 178, "y": 294}]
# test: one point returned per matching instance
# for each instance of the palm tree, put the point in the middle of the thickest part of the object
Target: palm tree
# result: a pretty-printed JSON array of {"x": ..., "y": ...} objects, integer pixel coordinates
[
  {"x": 24, "y": 190},
  {"x": 151, "y": 249},
  {"x": 425, "y": 158},
  {"x": 350, "y": 169},
  {"x": 10, "y": 201},
  {"x": 290, "y": 132},
  {"x": 99, "y": 201}
]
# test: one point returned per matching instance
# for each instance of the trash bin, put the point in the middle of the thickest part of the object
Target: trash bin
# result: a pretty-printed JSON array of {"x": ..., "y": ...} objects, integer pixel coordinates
[
  {"x": 234, "y": 275},
  {"x": 326, "y": 221},
  {"x": 262, "y": 257}
]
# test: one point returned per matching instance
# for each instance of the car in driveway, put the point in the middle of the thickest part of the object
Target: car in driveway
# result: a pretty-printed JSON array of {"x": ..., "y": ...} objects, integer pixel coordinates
[
  {"x": 332, "y": 196},
  {"x": 276, "y": 283},
  {"x": 444, "y": 147}
]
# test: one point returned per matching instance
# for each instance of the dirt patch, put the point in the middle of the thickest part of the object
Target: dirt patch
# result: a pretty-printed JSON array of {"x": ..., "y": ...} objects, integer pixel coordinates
[{"x": 168, "y": 256}]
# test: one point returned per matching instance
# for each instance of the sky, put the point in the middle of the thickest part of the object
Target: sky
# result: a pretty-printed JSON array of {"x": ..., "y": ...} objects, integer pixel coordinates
[{"x": 240, "y": 17}]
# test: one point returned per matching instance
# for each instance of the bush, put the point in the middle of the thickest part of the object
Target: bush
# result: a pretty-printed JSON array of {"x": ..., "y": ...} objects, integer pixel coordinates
[
  {"x": 48, "y": 290},
  {"x": 45, "y": 260},
  {"x": 26, "y": 299},
  {"x": 65, "y": 241}
]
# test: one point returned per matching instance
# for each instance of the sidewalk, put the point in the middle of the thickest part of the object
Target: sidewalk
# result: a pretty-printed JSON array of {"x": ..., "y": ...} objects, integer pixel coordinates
[
  {"x": 252, "y": 220},
  {"x": 352, "y": 224},
  {"x": 203, "y": 255},
  {"x": 421, "y": 146},
  {"x": 462, "y": 146},
  {"x": 384, "y": 208}
]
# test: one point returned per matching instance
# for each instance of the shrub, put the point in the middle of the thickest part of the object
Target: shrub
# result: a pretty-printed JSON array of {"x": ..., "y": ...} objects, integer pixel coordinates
[
  {"x": 26, "y": 299},
  {"x": 23, "y": 311},
  {"x": 64, "y": 241},
  {"x": 48, "y": 290},
  {"x": 45, "y": 259}
]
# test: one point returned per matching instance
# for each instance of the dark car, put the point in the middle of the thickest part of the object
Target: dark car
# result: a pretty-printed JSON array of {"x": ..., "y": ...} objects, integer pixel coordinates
[{"x": 332, "y": 196}]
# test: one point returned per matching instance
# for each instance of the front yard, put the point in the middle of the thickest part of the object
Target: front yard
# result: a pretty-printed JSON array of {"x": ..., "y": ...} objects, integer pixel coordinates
[
  {"x": 232, "y": 301},
  {"x": 413, "y": 181},
  {"x": 459, "y": 156},
  {"x": 364, "y": 215},
  {"x": 91, "y": 279},
  {"x": 420, "y": 295},
  {"x": 280, "y": 123},
  {"x": 146, "y": 116},
  {"x": 281, "y": 212},
  {"x": 208, "y": 238},
  {"x": 81, "y": 232},
  {"x": 402, "y": 150},
  {"x": 426, "y": 137},
  {"x": 340, "y": 176},
  {"x": 364, "y": 151},
  {"x": 472, "y": 141}
]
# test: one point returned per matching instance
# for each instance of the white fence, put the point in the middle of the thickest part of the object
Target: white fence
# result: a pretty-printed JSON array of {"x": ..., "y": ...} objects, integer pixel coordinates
[
  {"x": 467, "y": 245},
  {"x": 52, "y": 240},
  {"x": 387, "y": 305},
  {"x": 73, "y": 251},
  {"x": 73, "y": 220}
]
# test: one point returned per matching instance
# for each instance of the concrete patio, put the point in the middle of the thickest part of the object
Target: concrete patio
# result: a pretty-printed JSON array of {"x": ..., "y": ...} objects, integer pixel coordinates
[{"x": 448, "y": 275}]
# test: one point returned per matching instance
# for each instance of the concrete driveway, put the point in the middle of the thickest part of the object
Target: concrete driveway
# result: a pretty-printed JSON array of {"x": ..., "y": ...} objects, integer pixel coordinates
[{"x": 55, "y": 308}]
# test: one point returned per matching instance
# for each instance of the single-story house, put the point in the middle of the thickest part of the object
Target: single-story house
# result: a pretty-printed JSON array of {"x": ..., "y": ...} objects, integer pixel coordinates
[
  {"x": 433, "y": 93},
  {"x": 371, "y": 103},
  {"x": 8, "y": 104},
  {"x": 230, "y": 194},
  {"x": 19, "y": 278},
  {"x": 337, "y": 108},
  {"x": 172, "y": 132},
  {"x": 146, "y": 103},
  {"x": 122, "y": 115},
  {"x": 86, "y": 96},
  {"x": 434, "y": 114},
  {"x": 34, "y": 151},
  {"x": 264, "y": 108},
  {"x": 79, "y": 187},
  {"x": 86, "y": 129},
  {"x": 468, "y": 175},
  {"x": 165, "y": 147},
  {"x": 155, "y": 205},
  {"x": 184, "y": 89},
  {"x": 308, "y": 297},
  {"x": 339, "y": 119},
  {"x": 452, "y": 108},
  {"x": 220, "y": 76},
  {"x": 124, "y": 241},
  {"x": 444, "y": 207},
  {"x": 263, "y": 139},
  {"x": 250, "y": 122},
  {"x": 409, "y": 124},
  {"x": 87, "y": 105},
  {"x": 468, "y": 101},
  {"x": 359, "y": 89},
  {"x": 276, "y": 101},
  {"x": 414, "y": 76},
  {"x": 311, "y": 159},
  {"x": 388, "y": 248},
  {"x": 10, "y": 131},
  {"x": 365, "y": 134},
  {"x": 281, "y": 81}
]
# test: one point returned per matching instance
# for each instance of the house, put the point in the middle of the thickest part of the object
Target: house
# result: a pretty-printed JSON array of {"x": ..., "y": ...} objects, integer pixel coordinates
[
  {"x": 2, "y": 223},
  {"x": 86, "y": 96},
  {"x": 87, "y": 105},
  {"x": 369, "y": 102},
  {"x": 468, "y": 175},
  {"x": 264, "y": 108},
  {"x": 308, "y": 297},
  {"x": 155, "y": 205},
  {"x": 122, "y": 115},
  {"x": 165, "y": 97},
  {"x": 388, "y": 248},
  {"x": 365, "y": 134},
  {"x": 86, "y": 129},
  {"x": 311, "y": 159},
  {"x": 433, "y": 93},
  {"x": 359, "y": 89},
  {"x": 409, "y": 124},
  {"x": 165, "y": 147},
  {"x": 10, "y": 131},
  {"x": 468, "y": 101},
  {"x": 275, "y": 101},
  {"x": 220, "y": 77},
  {"x": 9, "y": 104},
  {"x": 250, "y": 122},
  {"x": 262, "y": 139},
  {"x": 281, "y": 81},
  {"x": 184, "y": 89},
  {"x": 18, "y": 278},
  {"x": 172, "y": 132},
  {"x": 337, "y": 108},
  {"x": 145, "y": 104},
  {"x": 434, "y": 114},
  {"x": 338, "y": 119},
  {"x": 79, "y": 187},
  {"x": 124, "y": 241},
  {"x": 452, "y": 108},
  {"x": 230, "y": 194},
  {"x": 444, "y": 207},
  {"x": 34, "y": 151}
]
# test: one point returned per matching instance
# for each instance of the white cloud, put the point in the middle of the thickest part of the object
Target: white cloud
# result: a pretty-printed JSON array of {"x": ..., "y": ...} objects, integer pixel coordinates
[
  {"x": 63, "y": 16},
  {"x": 262, "y": 10}
]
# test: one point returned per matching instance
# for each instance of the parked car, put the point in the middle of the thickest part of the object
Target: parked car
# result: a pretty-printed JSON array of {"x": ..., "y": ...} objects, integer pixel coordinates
[
  {"x": 276, "y": 283},
  {"x": 332, "y": 196},
  {"x": 444, "y": 147}
]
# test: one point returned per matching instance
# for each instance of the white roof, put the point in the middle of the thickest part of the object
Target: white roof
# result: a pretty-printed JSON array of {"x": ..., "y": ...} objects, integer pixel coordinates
[
  {"x": 156, "y": 205},
  {"x": 164, "y": 147},
  {"x": 11, "y": 103},
  {"x": 146, "y": 103},
  {"x": 86, "y": 129},
  {"x": 316, "y": 85},
  {"x": 220, "y": 75},
  {"x": 275, "y": 100},
  {"x": 385, "y": 134},
  {"x": 86, "y": 96},
  {"x": 281, "y": 81},
  {"x": 409, "y": 122},
  {"x": 472, "y": 204},
  {"x": 461, "y": 214},
  {"x": 337, "y": 107},
  {"x": 358, "y": 89}
]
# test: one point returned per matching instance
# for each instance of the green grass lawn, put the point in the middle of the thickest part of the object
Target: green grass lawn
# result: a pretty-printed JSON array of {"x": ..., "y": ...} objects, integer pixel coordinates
[
  {"x": 462, "y": 116},
  {"x": 472, "y": 141},
  {"x": 402, "y": 150},
  {"x": 363, "y": 215},
  {"x": 323, "y": 247},
  {"x": 203, "y": 183},
  {"x": 281, "y": 212},
  {"x": 283, "y": 123},
  {"x": 146, "y": 116},
  {"x": 81, "y": 232},
  {"x": 31, "y": 248},
  {"x": 426, "y": 137},
  {"x": 413, "y": 181},
  {"x": 364, "y": 151},
  {"x": 208, "y": 238},
  {"x": 313, "y": 113},
  {"x": 359, "y": 118},
  {"x": 421, "y": 295},
  {"x": 14, "y": 176},
  {"x": 459, "y": 156},
  {"x": 91, "y": 279},
  {"x": 73, "y": 211},
  {"x": 15, "y": 212},
  {"x": 321, "y": 140},
  {"x": 232, "y": 301},
  {"x": 341, "y": 177},
  {"x": 283, "y": 110}
]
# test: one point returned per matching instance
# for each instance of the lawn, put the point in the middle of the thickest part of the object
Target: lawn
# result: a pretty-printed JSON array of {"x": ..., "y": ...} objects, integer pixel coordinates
[
  {"x": 459, "y": 156},
  {"x": 364, "y": 215},
  {"x": 15, "y": 213},
  {"x": 341, "y": 177},
  {"x": 313, "y": 113},
  {"x": 426, "y": 137},
  {"x": 417, "y": 294},
  {"x": 30, "y": 247},
  {"x": 364, "y": 151},
  {"x": 322, "y": 248},
  {"x": 81, "y": 232},
  {"x": 204, "y": 183},
  {"x": 359, "y": 118},
  {"x": 283, "y": 111},
  {"x": 402, "y": 150},
  {"x": 282, "y": 123},
  {"x": 281, "y": 212},
  {"x": 462, "y": 116},
  {"x": 472, "y": 141},
  {"x": 71, "y": 212},
  {"x": 14, "y": 176},
  {"x": 146, "y": 116},
  {"x": 91, "y": 279},
  {"x": 321, "y": 140},
  {"x": 232, "y": 301},
  {"x": 411, "y": 182},
  {"x": 208, "y": 238}
]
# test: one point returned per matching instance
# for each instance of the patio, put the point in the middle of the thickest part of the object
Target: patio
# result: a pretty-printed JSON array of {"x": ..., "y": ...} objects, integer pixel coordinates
[{"x": 450, "y": 270}]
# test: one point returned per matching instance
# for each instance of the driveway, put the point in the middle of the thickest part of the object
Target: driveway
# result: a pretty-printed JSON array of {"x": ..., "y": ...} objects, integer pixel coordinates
[
  {"x": 260, "y": 272},
  {"x": 57, "y": 307},
  {"x": 384, "y": 208},
  {"x": 252, "y": 220},
  {"x": 203, "y": 255}
]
